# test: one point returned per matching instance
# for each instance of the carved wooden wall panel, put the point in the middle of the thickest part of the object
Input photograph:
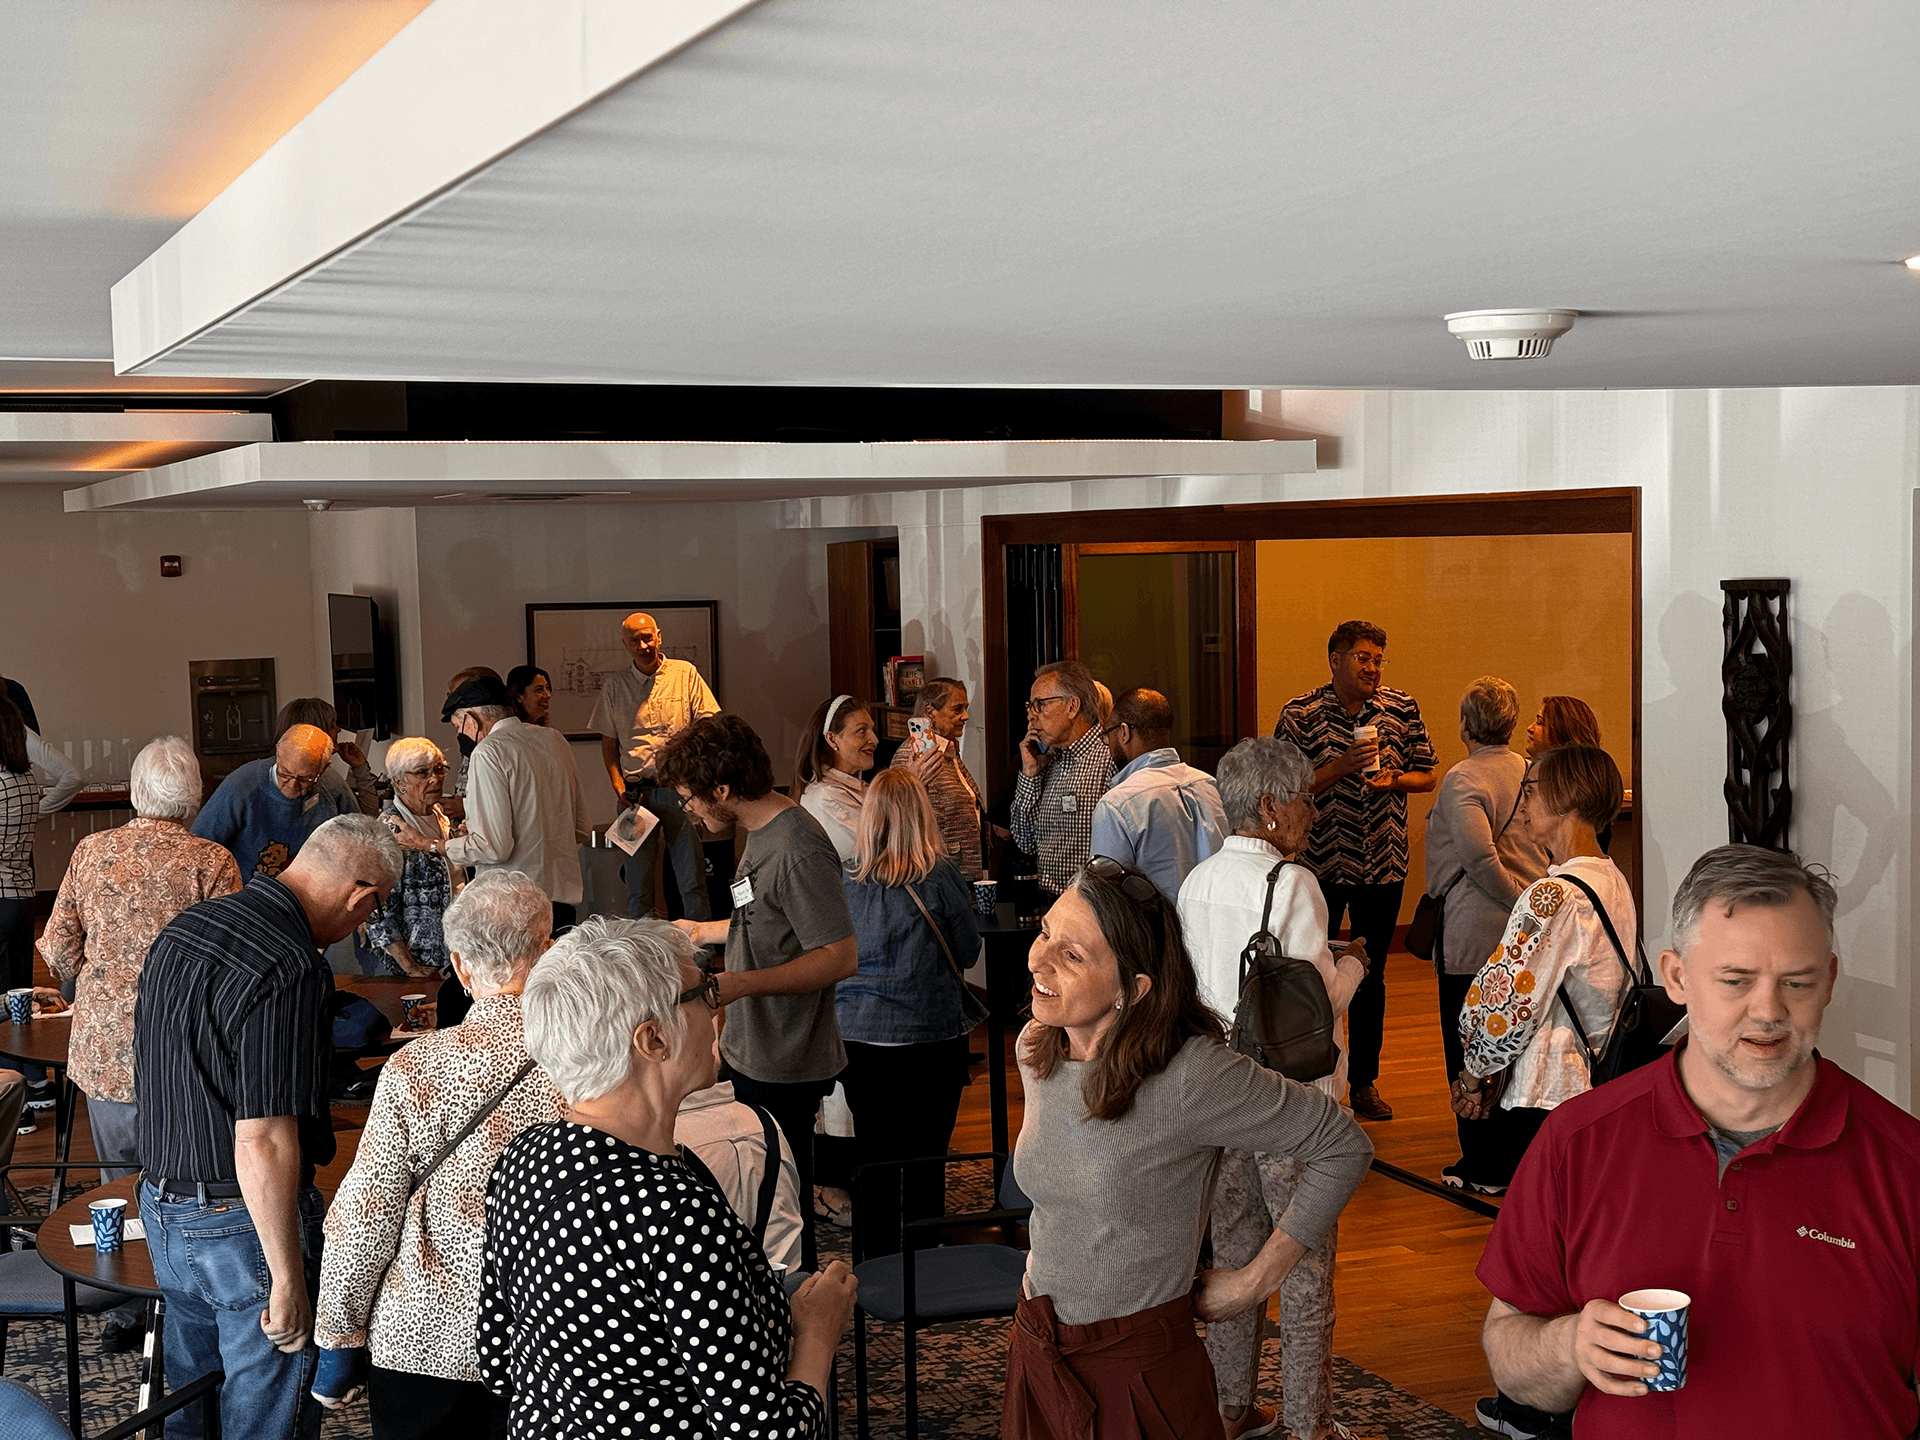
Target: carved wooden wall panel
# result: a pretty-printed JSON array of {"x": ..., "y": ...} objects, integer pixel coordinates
[{"x": 1757, "y": 673}]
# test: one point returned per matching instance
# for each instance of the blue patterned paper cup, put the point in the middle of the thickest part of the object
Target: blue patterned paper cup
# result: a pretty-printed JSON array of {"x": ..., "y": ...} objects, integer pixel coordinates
[
  {"x": 986, "y": 895},
  {"x": 1665, "y": 1312},
  {"x": 20, "y": 1006},
  {"x": 109, "y": 1224},
  {"x": 408, "y": 1004}
]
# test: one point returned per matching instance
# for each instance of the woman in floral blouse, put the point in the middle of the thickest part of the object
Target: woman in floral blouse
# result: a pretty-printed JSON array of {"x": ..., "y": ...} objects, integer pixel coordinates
[{"x": 406, "y": 930}]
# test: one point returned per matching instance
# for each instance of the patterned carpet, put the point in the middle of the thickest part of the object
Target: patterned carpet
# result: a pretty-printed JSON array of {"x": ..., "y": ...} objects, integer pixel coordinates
[{"x": 962, "y": 1368}]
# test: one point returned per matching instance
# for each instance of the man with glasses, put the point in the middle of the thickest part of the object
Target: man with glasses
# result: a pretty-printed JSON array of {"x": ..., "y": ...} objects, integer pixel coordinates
[
  {"x": 1159, "y": 815},
  {"x": 231, "y": 1045},
  {"x": 264, "y": 811},
  {"x": 1064, "y": 769},
  {"x": 1358, "y": 846}
]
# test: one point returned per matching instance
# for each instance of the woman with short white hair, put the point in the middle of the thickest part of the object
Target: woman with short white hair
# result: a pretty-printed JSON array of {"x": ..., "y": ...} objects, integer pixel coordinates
[
  {"x": 121, "y": 888},
  {"x": 406, "y": 931},
  {"x": 400, "y": 1275},
  {"x": 603, "y": 1215}
]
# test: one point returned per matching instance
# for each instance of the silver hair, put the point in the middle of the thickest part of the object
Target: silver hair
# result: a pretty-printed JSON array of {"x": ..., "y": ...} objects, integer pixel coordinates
[
  {"x": 1735, "y": 875},
  {"x": 165, "y": 781},
  {"x": 1076, "y": 680},
  {"x": 1260, "y": 765},
  {"x": 1489, "y": 711},
  {"x": 496, "y": 925},
  {"x": 599, "y": 983},
  {"x": 487, "y": 713},
  {"x": 361, "y": 843},
  {"x": 937, "y": 694},
  {"x": 412, "y": 754}
]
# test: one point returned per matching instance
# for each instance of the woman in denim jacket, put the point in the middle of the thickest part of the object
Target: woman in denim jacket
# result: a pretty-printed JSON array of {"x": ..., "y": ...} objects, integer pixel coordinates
[{"x": 905, "y": 1014}]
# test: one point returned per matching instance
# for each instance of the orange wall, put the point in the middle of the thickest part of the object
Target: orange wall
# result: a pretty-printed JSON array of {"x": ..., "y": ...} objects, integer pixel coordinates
[{"x": 1550, "y": 614}]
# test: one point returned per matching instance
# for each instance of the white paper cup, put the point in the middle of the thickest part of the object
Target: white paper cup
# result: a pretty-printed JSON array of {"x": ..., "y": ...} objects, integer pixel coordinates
[
  {"x": 1368, "y": 732},
  {"x": 1665, "y": 1312}
]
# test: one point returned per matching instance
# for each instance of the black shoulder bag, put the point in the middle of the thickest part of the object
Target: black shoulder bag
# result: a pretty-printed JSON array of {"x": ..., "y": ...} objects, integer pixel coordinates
[
  {"x": 1645, "y": 1016},
  {"x": 1283, "y": 1019}
]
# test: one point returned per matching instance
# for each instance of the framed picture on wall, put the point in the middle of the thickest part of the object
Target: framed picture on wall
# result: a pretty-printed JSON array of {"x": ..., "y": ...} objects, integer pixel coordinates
[{"x": 578, "y": 644}]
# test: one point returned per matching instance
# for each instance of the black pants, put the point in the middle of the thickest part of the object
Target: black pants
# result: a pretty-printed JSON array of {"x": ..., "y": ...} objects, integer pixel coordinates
[
  {"x": 905, "y": 1100},
  {"x": 405, "y": 1406},
  {"x": 793, "y": 1106},
  {"x": 1374, "y": 911},
  {"x": 16, "y": 941}
]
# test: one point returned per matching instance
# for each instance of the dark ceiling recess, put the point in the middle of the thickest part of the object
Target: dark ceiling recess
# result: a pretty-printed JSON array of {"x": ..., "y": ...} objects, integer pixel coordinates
[{"x": 374, "y": 410}]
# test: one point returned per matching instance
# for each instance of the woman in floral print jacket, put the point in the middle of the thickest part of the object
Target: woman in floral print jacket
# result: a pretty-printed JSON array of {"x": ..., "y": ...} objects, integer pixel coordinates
[{"x": 1555, "y": 953}]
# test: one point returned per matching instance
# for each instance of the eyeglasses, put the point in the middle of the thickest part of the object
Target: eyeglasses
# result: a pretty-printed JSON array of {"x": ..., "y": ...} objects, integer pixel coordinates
[
  {"x": 708, "y": 990},
  {"x": 1365, "y": 662},
  {"x": 1034, "y": 707},
  {"x": 438, "y": 771},
  {"x": 1135, "y": 886}
]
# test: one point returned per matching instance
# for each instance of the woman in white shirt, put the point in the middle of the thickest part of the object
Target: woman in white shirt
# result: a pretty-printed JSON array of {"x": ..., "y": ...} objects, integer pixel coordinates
[
  {"x": 1266, "y": 787},
  {"x": 836, "y": 750}
]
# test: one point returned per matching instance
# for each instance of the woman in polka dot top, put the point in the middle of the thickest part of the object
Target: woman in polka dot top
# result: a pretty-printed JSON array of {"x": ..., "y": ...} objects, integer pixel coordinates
[{"x": 620, "y": 1295}]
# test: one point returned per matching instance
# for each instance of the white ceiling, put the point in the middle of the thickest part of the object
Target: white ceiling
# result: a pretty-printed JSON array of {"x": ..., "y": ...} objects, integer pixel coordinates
[
  {"x": 41, "y": 446},
  {"x": 1240, "y": 194},
  {"x": 358, "y": 474},
  {"x": 119, "y": 119}
]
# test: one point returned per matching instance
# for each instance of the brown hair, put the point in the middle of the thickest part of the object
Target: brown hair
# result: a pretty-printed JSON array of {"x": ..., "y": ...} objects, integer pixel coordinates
[
  {"x": 308, "y": 710},
  {"x": 472, "y": 672},
  {"x": 1568, "y": 721},
  {"x": 1349, "y": 633},
  {"x": 716, "y": 750},
  {"x": 1582, "y": 781},
  {"x": 816, "y": 756},
  {"x": 13, "y": 738},
  {"x": 899, "y": 840},
  {"x": 1146, "y": 939}
]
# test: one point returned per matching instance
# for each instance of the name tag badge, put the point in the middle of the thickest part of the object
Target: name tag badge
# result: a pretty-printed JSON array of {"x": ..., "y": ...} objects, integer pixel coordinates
[
  {"x": 742, "y": 892},
  {"x": 1070, "y": 804}
]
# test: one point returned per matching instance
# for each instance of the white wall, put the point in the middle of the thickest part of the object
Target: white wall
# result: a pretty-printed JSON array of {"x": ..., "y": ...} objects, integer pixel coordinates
[
  {"x": 374, "y": 553},
  {"x": 102, "y": 642},
  {"x": 1815, "y": 485},
  {"x": 480, "y": 567}
]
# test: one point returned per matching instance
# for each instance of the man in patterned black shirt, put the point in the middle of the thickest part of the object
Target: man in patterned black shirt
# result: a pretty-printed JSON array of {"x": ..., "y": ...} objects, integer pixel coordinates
[
  {"x": 230, "y": 1048},
  {"x": 1064, "y": 769},
  {"x": 1358, "y": 848}
]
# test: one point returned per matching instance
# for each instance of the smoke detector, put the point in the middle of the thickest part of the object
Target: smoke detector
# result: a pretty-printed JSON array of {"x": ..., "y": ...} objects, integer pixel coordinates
[
  {"x": 1510, "y": 334},
  {"x": 317, "y": 505}
]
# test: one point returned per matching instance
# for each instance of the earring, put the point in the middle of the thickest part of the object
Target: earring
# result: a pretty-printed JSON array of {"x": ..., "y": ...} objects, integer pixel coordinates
[
  {"x": 1118, "y": 1003},
  {"x": 1270, "y": 825}
]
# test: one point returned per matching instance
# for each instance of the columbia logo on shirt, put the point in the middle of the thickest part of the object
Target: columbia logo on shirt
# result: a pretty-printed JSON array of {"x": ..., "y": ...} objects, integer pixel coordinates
[{"x": 1840, "y": 1240}]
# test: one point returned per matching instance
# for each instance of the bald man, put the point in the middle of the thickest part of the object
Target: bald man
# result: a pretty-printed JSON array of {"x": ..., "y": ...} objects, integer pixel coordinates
[
  {"x": 264, "y": 811},
  {"x": 639, "y": 709}
]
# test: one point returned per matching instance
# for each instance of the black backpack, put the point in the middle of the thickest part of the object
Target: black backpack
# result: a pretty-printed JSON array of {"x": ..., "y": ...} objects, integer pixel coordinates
[
  {"x": 1646, "y": 1013},
  {"x": 1283, "y": 1018}
]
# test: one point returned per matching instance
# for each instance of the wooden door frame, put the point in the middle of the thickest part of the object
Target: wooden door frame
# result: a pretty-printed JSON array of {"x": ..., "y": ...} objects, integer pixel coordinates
[{"x": 1610, "y": 511}]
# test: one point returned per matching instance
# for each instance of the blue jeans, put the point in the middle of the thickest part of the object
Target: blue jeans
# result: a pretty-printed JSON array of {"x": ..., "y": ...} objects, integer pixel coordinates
[
  {"x": 208, "y": 1263},
  {"x": 686, "y": 862}
]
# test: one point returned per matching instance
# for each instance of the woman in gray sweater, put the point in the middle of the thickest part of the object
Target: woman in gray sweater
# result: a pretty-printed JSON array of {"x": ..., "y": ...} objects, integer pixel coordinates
[{"x": 1131, "y": 1093}]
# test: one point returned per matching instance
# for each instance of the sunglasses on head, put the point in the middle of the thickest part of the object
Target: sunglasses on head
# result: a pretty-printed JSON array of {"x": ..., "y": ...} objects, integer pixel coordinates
[{"x": 1135, "y": 886}]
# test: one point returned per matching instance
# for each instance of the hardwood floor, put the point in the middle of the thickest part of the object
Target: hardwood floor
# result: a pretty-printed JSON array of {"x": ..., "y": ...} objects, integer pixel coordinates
[{"x": 1409, "y": 1306}]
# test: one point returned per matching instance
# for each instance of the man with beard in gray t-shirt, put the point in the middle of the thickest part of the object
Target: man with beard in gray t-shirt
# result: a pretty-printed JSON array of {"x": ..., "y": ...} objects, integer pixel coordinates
[{"x": 789, "y": 941}]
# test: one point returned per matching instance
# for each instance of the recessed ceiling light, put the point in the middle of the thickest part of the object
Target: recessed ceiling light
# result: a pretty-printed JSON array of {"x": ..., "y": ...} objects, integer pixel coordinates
[{"x": 1912, "y": 262}]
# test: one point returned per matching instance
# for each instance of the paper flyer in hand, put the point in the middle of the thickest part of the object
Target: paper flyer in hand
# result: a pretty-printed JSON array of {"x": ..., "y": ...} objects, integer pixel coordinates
[{"x": 630, "y": 831}]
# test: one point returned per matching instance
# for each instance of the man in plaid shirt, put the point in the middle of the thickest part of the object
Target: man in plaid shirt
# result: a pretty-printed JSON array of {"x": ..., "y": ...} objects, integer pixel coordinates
[
  {"x": 1064, "y": 769},
  {"x": 1358, "y": 848}
]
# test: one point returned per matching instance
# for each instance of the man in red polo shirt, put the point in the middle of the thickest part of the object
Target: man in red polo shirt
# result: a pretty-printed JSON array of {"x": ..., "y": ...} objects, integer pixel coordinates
[{"x": 1775, "y": 1189}]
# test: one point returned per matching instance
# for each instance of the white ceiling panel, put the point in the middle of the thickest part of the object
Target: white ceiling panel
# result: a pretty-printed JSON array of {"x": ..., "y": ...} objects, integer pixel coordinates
[
  {"x": 364, "y": 474},
  {"x": 40, "y": 446},
  {"x": 1244, "y": 194}
]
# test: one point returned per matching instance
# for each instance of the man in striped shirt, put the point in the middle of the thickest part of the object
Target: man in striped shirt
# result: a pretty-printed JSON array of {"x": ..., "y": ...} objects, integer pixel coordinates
[
  {"x": 1358, "y": 847},
  {"x": 1064, "y": 769},
  {"x": 231, "y": 1041}
]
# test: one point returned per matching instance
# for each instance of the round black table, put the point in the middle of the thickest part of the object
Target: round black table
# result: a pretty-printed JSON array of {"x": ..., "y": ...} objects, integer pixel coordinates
[
  {"x": 1006, "y": 940},
  {"x": 43, "y": 1041},
  {"x": 126, "y": 1271}
]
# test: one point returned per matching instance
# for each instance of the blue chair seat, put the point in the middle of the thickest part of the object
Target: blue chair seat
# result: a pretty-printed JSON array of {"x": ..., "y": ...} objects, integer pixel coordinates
[
  {"x": 948, "y": 1282},
  {"x": 30, "y": 1288},
  {"x": 25, "y": 1416}
]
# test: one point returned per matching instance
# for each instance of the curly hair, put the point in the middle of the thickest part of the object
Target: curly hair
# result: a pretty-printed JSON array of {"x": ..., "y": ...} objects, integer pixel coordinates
[{"x": 713, "y": 751}]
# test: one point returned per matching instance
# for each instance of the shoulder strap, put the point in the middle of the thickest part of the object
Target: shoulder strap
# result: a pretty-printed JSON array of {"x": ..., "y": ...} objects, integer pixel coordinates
[
  {"x": 1266, "y": 920},
  {"x": 472, "y": 1125},
  {"x": 1633, "y": 975},
  {"x": 769, "y": 1177},
  {"x": 945, "y": 949}
]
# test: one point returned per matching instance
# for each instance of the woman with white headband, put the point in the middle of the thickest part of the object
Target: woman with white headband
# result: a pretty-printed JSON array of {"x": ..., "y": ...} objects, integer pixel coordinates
[{"x": 836, "y": 750}]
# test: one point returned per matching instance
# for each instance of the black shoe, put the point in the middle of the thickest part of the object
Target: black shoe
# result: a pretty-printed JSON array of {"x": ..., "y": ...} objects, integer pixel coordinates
[
  {"x": 40, "y": 1096},
  {"x": 1503, "y": 1417},
  {"x": 1451, "y": 1177},
  {"x": 122, "y": 1339},
  {"x": 1367, "y": 1104},
  {"x": 26, "y": 1124}
]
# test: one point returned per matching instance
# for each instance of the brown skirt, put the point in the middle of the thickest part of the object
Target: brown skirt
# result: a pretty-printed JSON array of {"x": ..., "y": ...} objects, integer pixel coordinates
[{"x": 1143, "y": 1376}]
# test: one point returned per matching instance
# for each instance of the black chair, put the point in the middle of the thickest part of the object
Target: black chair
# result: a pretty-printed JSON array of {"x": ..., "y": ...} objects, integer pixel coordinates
[
  {"x": 25, "y": 1416},
  {"x": 30, "y": 1289},
  {"x": 944, "y": 1282}
]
